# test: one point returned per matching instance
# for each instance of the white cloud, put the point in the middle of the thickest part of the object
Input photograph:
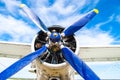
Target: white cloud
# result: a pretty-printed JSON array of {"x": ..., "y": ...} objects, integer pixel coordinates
[
  {"x": 118, "y": 18},
  {"x": 12, "y": 6},
  {"x": 94, "y": 37},
  {"x": 19, "y": 30},
  {"x": 68, "y": 9},
  {"x": 62, "y": 11},
  {"x": 65, "y": 9}
]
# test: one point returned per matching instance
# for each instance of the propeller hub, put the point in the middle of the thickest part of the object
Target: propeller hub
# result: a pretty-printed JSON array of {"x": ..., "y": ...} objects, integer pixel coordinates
[{"x": 55, "y": 37}]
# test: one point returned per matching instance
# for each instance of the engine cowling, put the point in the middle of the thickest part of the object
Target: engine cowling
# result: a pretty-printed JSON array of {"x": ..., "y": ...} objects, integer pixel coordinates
[{"x": 54, "y": 54}]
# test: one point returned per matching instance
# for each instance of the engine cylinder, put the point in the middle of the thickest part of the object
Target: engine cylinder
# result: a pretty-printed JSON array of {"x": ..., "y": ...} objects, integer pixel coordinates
[{"x": 54, "y": 54}]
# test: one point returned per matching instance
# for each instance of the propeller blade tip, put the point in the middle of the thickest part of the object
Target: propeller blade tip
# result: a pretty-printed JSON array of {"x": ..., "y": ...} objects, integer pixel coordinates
[
  {"x": 22, "y": 5},
  {"x": 96, "y": 11}
]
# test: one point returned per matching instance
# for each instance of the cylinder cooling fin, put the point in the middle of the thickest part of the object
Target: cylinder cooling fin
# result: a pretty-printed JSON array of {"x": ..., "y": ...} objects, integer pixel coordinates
[{"x": 54, "y": 54}]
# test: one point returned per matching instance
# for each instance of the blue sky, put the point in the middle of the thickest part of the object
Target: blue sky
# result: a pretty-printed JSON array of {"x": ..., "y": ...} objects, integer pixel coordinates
[
  {"x": 104, "y": 29},
  {"x": 15, "y": 26}
]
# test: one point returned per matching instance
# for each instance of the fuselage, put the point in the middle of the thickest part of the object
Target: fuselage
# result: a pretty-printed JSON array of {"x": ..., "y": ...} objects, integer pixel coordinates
[
  {"x": 47, "y": 71},
  {"x": 52, "y": 64}
]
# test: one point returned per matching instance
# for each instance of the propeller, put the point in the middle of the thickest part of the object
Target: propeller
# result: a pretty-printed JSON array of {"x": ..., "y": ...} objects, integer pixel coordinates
[
  {"x": 80, "y": 23},
  {"x": 14, "y": 68},
  {"x": 55, "y": 39},
  {"x": 78, "y": 64},
  {"x": 34, "y": 18}
]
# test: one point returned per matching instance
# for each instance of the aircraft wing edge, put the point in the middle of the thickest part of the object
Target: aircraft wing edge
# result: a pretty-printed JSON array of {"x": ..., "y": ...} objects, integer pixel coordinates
[
  {"x": 100, "y": 53},
  {"x": 87, "y": 53},
  {"x": 14, "y": 50}
]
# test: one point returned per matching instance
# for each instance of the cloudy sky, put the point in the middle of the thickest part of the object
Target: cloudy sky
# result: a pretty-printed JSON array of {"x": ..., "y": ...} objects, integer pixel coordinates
[{"x": 104, "y": 29}]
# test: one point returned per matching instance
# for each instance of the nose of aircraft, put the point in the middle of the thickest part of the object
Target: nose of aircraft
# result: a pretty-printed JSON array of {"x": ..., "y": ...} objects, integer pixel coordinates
[{"x": 55, "y": 37}]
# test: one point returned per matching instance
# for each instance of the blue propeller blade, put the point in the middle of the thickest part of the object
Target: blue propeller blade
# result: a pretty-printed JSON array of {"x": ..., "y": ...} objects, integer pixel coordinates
[
  {"x": 14, "y": 68},
  {"x": 79, "y": 65},
  {"x": 34, "y": 18},
  {"x": 80, "y": 23}
]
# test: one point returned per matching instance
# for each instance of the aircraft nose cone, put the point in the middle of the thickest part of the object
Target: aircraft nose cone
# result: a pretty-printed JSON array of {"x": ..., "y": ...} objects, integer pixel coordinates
[
  {"x": 55, "y": 34},
  {"x": 55, "y": 37}
]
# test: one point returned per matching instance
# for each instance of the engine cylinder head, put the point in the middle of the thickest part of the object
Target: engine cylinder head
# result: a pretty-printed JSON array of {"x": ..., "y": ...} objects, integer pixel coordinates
[{"x": 54, "y": 54}]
